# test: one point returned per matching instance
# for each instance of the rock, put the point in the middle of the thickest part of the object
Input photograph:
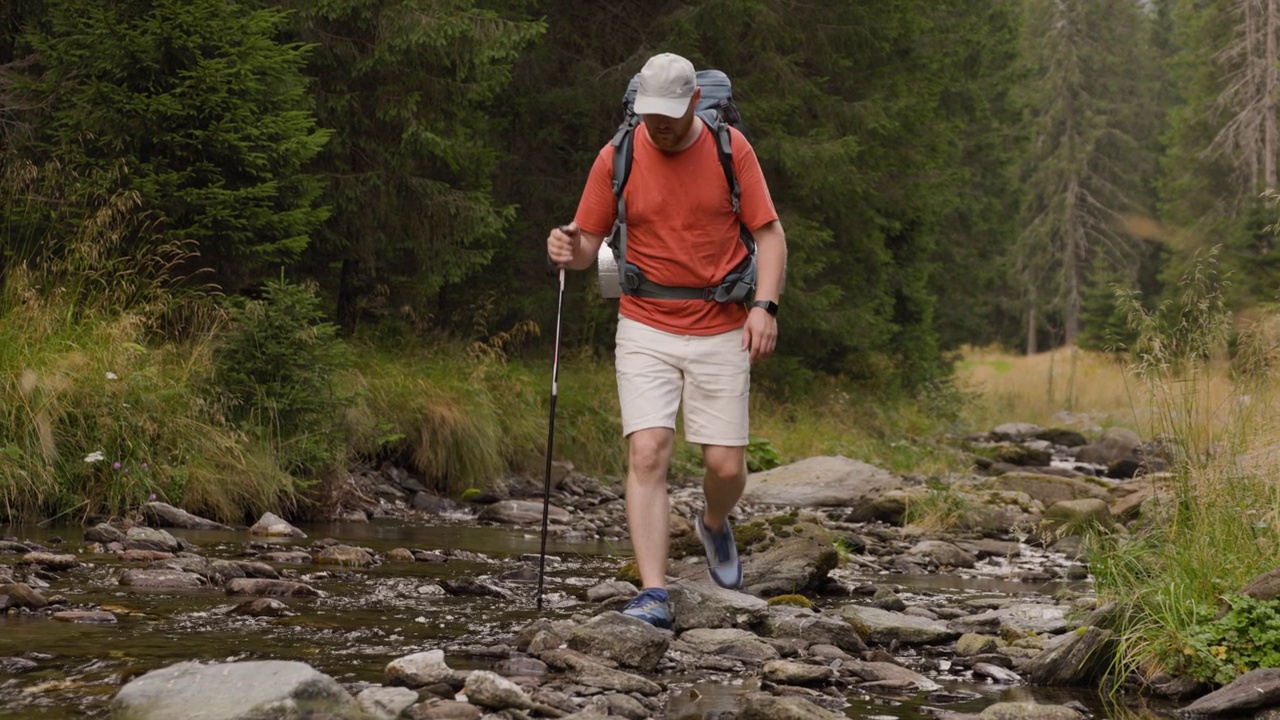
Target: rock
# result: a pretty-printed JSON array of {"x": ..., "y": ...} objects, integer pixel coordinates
[
  {"x": 1251, "y": 691},
  {"x": 590, "y": 672},
  {"x": 344, "y": 555},
  {"x": 612, "y": 589},
  {"x": 1115, "y": 444},
  {"x": 1078, "y": 658},
  {"x": 400, "y": 555},
  {"x": 522, "y": 512},
  {"x": 818, "y": 629},
  {"x": 145, "y": 556},
  {"x": 943, "y": 553},
  {"x": 264, "y": 690},
  {"x": 50, "y": 561},
  {"x": 145, "y": 538},
  {"x": 823, "y": 481},
  {"x": 706, "y": 605},
  {"x": 971, "y": 644},
  {"x": 445, "y": 710},
  {"x": 262, "y": 607},
  {"x": 1020, "y": 618},
  {"x": 16, "y": 665},
  {"x": 161, "y": 579},
  {"x": 884, "y": 627},
  {"x": 625, "y": 640},
  {"x": 996, "y": 673},
  {"x": 732, "y": 643},
  {"x": 104, "y": 533},
  {"x": 386, "y": 703},
  {"x": 1062, "y": 437},
  {"x": 1028, "y": 711},
  {"x": 85, "y": 617},
  {"x": 423, "y": 669},
  {"x": 762, "y": 706},
  {"x": 798, "y": 563},
  {"x": 1071, "y": 517},
  {"x": 491, "y": 690},
  {"x": 1015, "y": 431},
  {"x": 272, "y": 525},
  {"x": 788, "y": 672},
  {"x": 1048, "y": 489},
  {"x": 890, "y": 676},
  {"x": 475, "y": 588},
  {"x": 288, "y": 557},
  {"x": 165, "y": 515},
  {"x": 261, "y": 587}
]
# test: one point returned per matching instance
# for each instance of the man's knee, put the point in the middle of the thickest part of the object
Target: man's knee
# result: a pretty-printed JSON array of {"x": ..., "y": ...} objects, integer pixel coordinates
[
  {"x": 649, "y": 452},
  {"x": 725, "y": 463}
]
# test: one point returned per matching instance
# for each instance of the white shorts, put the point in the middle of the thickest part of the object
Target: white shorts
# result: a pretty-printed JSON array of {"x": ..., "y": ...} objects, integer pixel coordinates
[{"x": 711, "y": 372}]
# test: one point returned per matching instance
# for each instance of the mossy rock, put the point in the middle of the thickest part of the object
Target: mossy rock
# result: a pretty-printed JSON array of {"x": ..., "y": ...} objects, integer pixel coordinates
[
  {"x": 472, "y": 494},
  {"x": 630, "y": 572},
  {"x": 793, "y": 600}
]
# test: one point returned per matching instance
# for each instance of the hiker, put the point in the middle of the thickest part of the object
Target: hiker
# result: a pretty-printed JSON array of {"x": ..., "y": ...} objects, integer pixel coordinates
[{"x": 682, "y": 232}]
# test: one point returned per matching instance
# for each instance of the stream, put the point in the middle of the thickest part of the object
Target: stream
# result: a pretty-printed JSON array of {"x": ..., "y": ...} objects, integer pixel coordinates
[{"x": 371, "y": 616}]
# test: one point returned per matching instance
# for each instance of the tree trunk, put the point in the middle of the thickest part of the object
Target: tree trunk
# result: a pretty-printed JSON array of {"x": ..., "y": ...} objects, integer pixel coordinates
[
  {"x": 1269, "y": 115},
  {"x": 1031, "y": 325}
]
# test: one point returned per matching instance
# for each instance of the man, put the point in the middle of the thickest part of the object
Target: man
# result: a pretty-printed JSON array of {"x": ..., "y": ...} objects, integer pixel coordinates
[{"x": 682, "y": 232}]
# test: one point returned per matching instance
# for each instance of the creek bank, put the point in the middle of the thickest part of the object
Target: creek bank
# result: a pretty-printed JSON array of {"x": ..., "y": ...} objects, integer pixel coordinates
[{"x": 827, "y": 623}]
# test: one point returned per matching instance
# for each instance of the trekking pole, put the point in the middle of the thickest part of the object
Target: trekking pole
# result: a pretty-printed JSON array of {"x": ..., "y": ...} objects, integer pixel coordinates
[{"x": 551, "y": 437}]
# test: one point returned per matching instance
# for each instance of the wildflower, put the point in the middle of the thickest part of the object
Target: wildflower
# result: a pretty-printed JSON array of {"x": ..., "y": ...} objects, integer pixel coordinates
[
  {"x": 112, "y": 376},
  {"x": 94, "y": 456},
  {"x": 115, "y": 465},
  {"x": 153, "y": 497}
]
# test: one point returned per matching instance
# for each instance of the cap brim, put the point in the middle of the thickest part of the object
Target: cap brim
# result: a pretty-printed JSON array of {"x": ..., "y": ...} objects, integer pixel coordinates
[{"x": 671, "y": 107}]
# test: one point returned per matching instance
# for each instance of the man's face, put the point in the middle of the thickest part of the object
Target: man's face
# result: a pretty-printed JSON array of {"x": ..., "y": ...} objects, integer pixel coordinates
[{"x": 669, "y": 133}]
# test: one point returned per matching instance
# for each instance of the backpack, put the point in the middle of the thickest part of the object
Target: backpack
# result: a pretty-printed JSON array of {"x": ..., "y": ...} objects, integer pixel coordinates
[{"x": 617, "y": 276}]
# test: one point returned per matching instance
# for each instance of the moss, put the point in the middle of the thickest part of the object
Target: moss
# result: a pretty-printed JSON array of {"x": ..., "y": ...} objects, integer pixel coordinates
[
  {"x": 792, "y": 600},
  {"x": 472, "y": 494},
  {"x": 630, "y": 572},
  {"x": 753, "y": 533}
]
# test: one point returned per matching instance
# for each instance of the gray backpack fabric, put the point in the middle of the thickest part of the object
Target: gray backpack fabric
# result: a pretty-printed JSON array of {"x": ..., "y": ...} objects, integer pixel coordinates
[{"x": 617, "y": 276}]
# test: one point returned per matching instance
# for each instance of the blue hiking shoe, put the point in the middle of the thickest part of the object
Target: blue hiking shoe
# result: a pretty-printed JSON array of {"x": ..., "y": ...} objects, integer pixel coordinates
[
  {"x": 722, "y": 555},
  {"x": 652, "y": 606}
]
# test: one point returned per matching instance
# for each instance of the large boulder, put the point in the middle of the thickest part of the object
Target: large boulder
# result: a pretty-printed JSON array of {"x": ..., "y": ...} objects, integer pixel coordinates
[
  {"x": 823, "y": 481},
  {"x": 797, "y": 563},
  {"x": 263, "y": 690}
]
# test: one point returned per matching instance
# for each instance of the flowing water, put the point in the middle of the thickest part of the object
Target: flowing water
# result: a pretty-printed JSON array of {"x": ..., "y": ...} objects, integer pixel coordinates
[{"x": 372, "y": 616}]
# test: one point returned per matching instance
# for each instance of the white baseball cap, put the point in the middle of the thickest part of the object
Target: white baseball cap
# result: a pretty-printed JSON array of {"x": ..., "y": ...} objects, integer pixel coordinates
[{"x": 666, "y": 84}]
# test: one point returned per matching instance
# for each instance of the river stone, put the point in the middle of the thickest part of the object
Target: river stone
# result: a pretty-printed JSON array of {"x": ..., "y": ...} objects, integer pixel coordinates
[
  {"x": 145, "y": 538},
  {"x": 730, "y": 643},
  {"x": 491, "y": 690},
  {"x": 1015, "y": 431},
  {"x": 262, "y": 587},
  {"x": 1074, "y": 516},
  {"x": 884, "y": 626},
  {"x": 1018, "y": 618},
  {"x": 400, "y": 555},
  {"x": 262, "y": 607},
  {"x": 1251, "y": 691},
  {"x": 611, "y": 589},
  {"x": 943, "y": 553},
  {"x": 445, "y": 710},
  {"x": 996, "y": 673},
  {"x": 104, "y": 533},
  {"x": 9, "y": 547},
  {"x": 627, "y": 641},
  {"x": 386, "y": 703},
  {"x": 262, "y": 690},
  {"x": 590, "y": 672},
  {"x": 288, "y": 557},
  {"x": 792, "y": 622},
  {"x": 423, "y": 669},
  {"x": 796, "y": 564},
  {"x": 145, "y": 556},
  {"x": 161, "y": 579},
  {"x": 971, "y": 644},
  {"x": 1115, "y": 444},
  {"x": 789, "y": 672},
  {"x": 890, "y": 675},
  {"x": 272, "y": 525},
  {"x": 1048, "y": 489},
  {"x": 165, "y": 515},
  {"x": 1028, "y": 711},
  {"x": 16, "y": 665},
  {"x": 345, "y": 555},
  {"x": 50, "y": 561},
  {"x": 763, "y": 706},
  {"x": 522, "y": 512},
  {"x": 86, "y": 617},
  {"x": 823, "y": 481},
  {"x": 1077, "y": 658},
  {"x": 706, "y": 605}
]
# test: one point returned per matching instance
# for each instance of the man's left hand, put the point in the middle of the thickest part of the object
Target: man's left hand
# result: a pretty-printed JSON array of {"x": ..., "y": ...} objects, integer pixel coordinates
[{"x": 760, "y": 334}]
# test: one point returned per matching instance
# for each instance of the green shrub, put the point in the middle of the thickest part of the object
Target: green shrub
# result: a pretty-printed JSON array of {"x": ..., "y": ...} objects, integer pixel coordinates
[
  {"x": 1246, "y": 638},
  {"x": 762, "y": 455},
  {"x": 276, "y": 365}
]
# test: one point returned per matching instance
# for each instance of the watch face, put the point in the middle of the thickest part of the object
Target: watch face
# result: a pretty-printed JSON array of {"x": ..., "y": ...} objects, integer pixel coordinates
[{"x": 768, "y": 305}]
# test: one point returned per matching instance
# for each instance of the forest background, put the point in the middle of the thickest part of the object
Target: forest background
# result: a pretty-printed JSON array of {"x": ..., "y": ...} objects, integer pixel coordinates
[{"x": 248, "y": 245}]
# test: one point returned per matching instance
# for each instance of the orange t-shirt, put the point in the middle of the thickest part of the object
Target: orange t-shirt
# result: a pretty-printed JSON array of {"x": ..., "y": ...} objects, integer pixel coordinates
[{"x": 681, "y": 228}]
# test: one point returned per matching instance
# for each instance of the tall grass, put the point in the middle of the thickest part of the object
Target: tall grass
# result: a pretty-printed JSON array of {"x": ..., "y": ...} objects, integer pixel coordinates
[{"x": 1213, "y": 526}]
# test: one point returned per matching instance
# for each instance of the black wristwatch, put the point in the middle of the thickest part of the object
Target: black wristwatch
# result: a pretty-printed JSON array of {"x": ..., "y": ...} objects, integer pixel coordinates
[{"x": 769, "y": 306}]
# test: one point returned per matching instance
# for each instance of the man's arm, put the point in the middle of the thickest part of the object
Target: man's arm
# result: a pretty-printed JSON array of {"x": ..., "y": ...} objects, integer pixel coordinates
[
  {"x": 771, "y": 259},
  {"x": 573, "y": 248}
]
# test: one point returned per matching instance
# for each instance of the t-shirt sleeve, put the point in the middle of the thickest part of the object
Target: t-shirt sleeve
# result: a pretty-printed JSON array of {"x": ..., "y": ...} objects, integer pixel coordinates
[
  {"x": 598, "y": 208},
  {"x": 755, "y": 204}
]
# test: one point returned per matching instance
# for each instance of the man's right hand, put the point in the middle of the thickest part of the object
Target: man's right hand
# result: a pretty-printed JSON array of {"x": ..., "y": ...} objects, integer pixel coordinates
[{"x": 563, "y": 244}]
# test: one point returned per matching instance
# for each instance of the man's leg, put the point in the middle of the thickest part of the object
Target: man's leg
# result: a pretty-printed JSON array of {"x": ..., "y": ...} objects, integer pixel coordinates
[
  {"x": 648, "y": 510},
  {"x": 723, "y": 482}
]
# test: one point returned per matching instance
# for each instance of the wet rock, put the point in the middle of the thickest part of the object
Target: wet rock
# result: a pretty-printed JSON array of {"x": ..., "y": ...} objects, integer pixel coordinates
[
  {"x": 288, "y": 557},
  {"x": 731, "y": 643},
  {"x": 445, "y": 710},
  {"x": 264, "y": 690},
  {"x": 1028, "y": 711},
  {"x": 796, "y": 564},
  {"x": 262, "y": 607},
  {"x": 400, "y": 555},
  {"x": 104, "y": 533},
  {"x": 145, "y": 556},
  {"x": 1115, "y": 444},
  {"x": 628, "y": 707},
  {"x": 762, "y": 706},
  {"x": 491, "y": 690},
  {"x": 612, "y": 589},
  {"x": 344, "y": 555},
  {"x": 1062, "y": 437},
  {"x": 1253, "y": 690},
  {"x": 145, "y": 538},
  {"x": 884, "y": 627},
  {"x": 21, "y": 595},
  {"x": 16, "y": 665},
  {"x": 1048, "y": 489},
  {"x": 590, "y": 672},
  {"x": 1072, "y": 658},
  {"x": 272, "y": 525},
  {"x": 521, "y": 666},
  {"x": 886, "y": 599},
  {"x": 253, "y": 569},
  {"x": 85, "y": 617},
  {"x": 625, "y": 640},
  {"x": 165, "y": 515},
  {"x": 788, "y": 672},
  {"x": 161, "y": 579},
  {"x": 817, "y": 629},
  {"x": 522, "y": 512},
  {"x": 1072, "y": 516},
  {"x": 1015, "y": 431},
  {"x": 423, "y": 669},
  {"x": 476, "y": 588},
  {"x": 996, "y": 673},
  {"x": 1017, "y": 619},
  {"x": 705, "y": 605},
  {"x": 971, "y": 644},
  {"x": 386, "y": 703},
  {"x": 889, "y": 676},
  {"x": 943, "y": 553},
  {"x": 261, "y": 587},
  {"x": 9, "y": 547},
  {"x": 825, "y": 481},
  {"x": 50, "y": 561}
]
